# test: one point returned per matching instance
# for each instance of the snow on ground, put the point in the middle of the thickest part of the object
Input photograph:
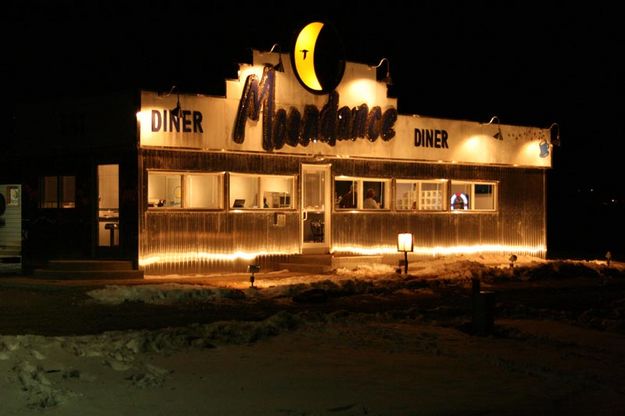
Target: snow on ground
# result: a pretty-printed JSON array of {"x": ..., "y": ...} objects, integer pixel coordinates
[
  {"x": 313, "y": 363},
  {"x": 361, "y": 279}
]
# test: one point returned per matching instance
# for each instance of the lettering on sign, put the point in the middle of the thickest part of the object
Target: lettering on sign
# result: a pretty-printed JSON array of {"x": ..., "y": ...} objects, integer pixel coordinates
[
  {"x": 431, "y": 138},
  {"x": 328, "y": 125},
  {"x": 187, "y": 122}
]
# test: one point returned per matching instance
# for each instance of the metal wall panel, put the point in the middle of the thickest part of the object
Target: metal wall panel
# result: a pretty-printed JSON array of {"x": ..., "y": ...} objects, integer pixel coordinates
[
  {"x": 519, "y": 221},
  {"x": 187, "y": 242},
  {"x": 201, "y": 241}
]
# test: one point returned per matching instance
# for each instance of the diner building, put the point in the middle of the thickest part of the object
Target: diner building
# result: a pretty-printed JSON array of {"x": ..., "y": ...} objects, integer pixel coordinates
[{"x": 179, "y": 183}]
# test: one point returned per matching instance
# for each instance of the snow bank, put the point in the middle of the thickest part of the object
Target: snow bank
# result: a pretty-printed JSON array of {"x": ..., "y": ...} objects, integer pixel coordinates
[
  {"x": 164, "y": 293},
  {"x": 36, "y": 363},
  {"x": 364, "y": 279}
]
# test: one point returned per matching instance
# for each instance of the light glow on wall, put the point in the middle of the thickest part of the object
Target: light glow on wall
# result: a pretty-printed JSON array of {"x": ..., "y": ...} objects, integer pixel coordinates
[
  {"x": 443, "y": 251},
  {"x": 192, "y": 256},
  {"x": 359, "y": 91}
]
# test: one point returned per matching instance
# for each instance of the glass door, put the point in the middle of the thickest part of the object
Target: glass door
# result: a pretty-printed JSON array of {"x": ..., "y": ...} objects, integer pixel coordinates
[
  {"x": 108, "y": 208},
  {"x": 316, "y": 215}
]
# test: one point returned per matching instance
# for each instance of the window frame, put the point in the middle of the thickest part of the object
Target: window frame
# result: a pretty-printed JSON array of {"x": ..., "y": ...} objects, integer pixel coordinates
[
  {"x": 183, "y": 187},
  {"x": 59, "y": 192},
  {"x": 360, "y": 193},
  {"x": 259, "y": 176},
  {"x": 445, "y": 189},
  {"x": 473, "y": 183}
]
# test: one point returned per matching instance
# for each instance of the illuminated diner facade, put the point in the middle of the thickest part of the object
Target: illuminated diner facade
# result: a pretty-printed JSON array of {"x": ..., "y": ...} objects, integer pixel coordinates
[
  {"x": 186, "y": 184},
  {"x": 273, "y": 170}
]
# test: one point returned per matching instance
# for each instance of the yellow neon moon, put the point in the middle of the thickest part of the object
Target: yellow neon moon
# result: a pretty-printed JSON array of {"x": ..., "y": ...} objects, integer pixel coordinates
[{"x": 304, "y": 54}]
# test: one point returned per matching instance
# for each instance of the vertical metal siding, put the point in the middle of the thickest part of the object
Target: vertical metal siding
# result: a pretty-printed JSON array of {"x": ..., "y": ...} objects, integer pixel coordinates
[{"x": 519, "y": 220}]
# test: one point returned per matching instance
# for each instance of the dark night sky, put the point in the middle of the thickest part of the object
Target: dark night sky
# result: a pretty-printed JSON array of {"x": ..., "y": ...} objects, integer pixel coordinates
[{"x": 529, "y": 63}]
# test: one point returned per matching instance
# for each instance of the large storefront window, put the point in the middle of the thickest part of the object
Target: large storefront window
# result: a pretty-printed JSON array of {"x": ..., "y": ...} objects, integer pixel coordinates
[
  {"x": 427, "y": 195},
  {"x": 185, "y": 190},
  {"x": 361, "y": 193},
  {"x": 249, "y": 191},
  {"x": 473, "y": 196}
]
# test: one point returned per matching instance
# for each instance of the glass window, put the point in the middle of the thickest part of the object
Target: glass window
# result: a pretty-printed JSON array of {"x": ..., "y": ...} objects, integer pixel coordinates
[
  {"x": 164, "y": 190},
  {"x": 58, "y": 192},
  {"x": 261, "y": 191},
  {"x": 426, "y": 195},
  {"x": 49, "y": 194},
  {"x": 203, "y": 191},
  {"x": 473, "y": 196},
  {"x": 361, "y": 193},
  {"x": 185, "y": 190},
  {"x": 68, "y": 192}
]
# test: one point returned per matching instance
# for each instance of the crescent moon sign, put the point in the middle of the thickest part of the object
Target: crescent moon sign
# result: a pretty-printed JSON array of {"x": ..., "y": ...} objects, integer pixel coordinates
[{"x": 304, "y": 54}]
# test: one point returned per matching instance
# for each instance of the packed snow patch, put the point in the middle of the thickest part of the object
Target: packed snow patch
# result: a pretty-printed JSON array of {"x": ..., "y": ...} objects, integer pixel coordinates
[{"x": 164, "y": 293}]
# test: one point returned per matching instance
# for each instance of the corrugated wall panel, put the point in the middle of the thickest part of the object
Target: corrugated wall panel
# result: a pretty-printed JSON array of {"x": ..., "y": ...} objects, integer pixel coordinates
[{"x": 518, "y": 224}]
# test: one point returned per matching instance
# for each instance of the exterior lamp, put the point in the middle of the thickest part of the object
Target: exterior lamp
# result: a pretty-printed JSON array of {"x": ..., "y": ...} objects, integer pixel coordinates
[
  {"x": 498, "y": 135},
  {"x": 177, "y": 109},
  {"x": 405, "y": 244},
  {"x": 387, "y": 77},
  {"x": 253, "y": 268},
  {"x": 279, "y": 67},
  {"x": 554, "y": 132}
]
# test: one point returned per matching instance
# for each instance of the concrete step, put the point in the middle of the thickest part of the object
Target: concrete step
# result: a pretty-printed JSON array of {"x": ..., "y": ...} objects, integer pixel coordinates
[
  {"x": 306, "y": 268},
  {"x": 88, "y": 274},
  {"x": 89, "y": 265},
  {"x": 351, "y": 262},
  {"x": 325, "y": 259}
]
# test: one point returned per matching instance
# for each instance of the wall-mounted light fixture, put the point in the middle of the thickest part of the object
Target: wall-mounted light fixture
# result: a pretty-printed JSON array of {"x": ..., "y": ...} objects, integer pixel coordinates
[
  {"x": 405, "y": 244},
  {"x": 498, "y": 135},
  {"x": 279, "y": 66},
  {"x": 554, "y": 131},
  {"x": 177, "y": 110},
  {"x": 387, "y": 78}
]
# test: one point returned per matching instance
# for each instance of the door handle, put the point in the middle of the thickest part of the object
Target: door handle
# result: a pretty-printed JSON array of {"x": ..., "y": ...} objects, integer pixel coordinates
[{"x": 304, "y": 215}]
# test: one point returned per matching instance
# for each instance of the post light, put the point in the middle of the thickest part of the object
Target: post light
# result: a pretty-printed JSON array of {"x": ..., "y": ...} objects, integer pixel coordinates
[
  {"x": 253, "y": 268},
  {"x": 512, "y": 260},
  {"x": 405, "y": 244}
]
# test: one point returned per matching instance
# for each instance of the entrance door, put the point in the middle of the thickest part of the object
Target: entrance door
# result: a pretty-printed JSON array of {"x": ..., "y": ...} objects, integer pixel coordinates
[
  {"x": 108, "y": 210},
  {"x": 316, "y": 206}
]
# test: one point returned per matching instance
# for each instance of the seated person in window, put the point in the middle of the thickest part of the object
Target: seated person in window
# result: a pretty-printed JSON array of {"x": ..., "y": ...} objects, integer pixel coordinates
[
  {"x": 370, "y": 202},
  {"x": 348, "y": 200}
]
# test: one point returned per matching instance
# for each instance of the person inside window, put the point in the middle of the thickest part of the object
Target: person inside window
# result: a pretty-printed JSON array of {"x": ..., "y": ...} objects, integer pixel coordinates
[
  {"x": 370, "y": 202},
  {"x": 349, "y": 199}
]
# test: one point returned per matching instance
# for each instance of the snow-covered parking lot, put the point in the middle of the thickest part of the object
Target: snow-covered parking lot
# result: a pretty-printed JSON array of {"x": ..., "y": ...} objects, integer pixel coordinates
[{"x": 365, "y": 341}]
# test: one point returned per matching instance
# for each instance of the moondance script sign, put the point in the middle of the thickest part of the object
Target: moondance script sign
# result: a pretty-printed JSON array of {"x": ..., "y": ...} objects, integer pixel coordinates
[{"x": 328, "y": 125}]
